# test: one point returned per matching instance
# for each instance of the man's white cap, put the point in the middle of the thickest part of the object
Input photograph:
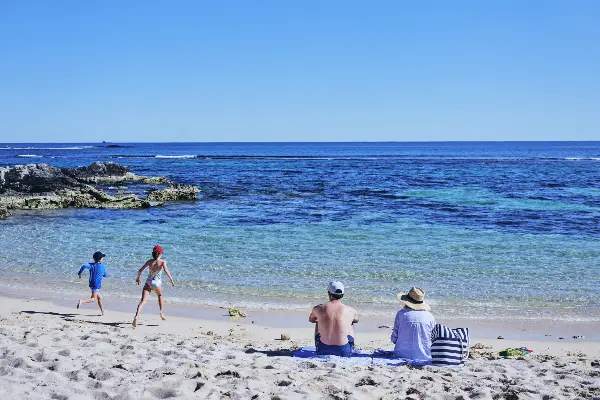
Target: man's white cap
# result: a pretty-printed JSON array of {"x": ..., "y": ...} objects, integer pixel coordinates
[{"x": 335, "y": 287}]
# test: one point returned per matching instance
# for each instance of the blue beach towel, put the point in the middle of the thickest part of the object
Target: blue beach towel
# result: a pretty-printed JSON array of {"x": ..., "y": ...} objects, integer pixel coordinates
[
  {"x": 311, "y": 352},
  {"x": 356, "y": 358},
  {"x": 379, "y": 357}
]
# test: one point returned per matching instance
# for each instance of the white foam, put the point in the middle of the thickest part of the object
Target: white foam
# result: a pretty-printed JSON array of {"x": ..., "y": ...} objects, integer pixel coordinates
[
  {"x": 28, "y": 155},
  {"x": 183, "y": 156}
]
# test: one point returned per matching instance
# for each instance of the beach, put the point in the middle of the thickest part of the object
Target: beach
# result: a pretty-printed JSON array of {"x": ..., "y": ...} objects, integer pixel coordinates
[
  {"x": 500, "y": 236},
  {"x": 49, "y": 351}
]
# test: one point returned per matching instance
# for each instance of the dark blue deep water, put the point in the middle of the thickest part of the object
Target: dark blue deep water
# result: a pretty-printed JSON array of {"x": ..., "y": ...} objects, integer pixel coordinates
[{"x": 489, "y": 230}]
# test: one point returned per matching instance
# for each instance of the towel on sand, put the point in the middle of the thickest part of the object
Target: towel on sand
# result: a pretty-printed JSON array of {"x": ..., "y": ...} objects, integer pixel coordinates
[{"x": 379, "y": 357}]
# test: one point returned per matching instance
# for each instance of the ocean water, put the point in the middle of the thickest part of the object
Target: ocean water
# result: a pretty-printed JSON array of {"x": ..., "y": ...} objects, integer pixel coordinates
[{"x": 489, "y": 230}]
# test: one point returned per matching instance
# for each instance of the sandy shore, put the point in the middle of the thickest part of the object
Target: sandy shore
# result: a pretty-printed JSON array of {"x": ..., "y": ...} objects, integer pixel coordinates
[{"x": 49, "y": 351}]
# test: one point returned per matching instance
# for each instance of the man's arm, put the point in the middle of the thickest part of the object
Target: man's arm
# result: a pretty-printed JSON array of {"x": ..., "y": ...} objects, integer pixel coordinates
[{"x": 313, "y": 315}]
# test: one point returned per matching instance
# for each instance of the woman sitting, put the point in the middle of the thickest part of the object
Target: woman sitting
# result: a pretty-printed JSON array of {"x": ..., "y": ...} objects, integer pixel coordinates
[{"x": 413, "y": 327}]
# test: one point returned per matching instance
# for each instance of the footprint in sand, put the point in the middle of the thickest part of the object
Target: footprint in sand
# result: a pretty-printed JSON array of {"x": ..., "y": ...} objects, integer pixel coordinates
[{"x": 162, "y": 393}]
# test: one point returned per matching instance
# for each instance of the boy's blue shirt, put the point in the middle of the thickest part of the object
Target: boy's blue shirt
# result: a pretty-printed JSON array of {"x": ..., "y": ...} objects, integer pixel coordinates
[{"x": 97, "y": 272}]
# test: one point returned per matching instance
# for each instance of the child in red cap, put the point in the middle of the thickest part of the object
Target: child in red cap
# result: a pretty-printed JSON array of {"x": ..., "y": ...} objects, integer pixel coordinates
[{"x": 154, "y": 281}]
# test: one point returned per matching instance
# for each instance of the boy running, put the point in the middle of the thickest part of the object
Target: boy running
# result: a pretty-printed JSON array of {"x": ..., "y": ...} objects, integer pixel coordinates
[{"x": 97, "y": 272}]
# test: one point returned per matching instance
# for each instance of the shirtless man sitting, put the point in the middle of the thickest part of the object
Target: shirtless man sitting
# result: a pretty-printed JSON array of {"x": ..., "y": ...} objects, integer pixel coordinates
[{"x": 334, "y": 324}]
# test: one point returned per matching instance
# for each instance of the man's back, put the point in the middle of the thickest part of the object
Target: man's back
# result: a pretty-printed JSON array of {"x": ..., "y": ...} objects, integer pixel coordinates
[{"x": 334, "y": 322}]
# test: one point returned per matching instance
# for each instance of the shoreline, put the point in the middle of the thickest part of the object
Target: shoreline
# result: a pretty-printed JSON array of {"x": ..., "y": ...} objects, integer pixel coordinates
[
  {"x": 263, "y": 334},
  {"x": 489, "y": 330}
]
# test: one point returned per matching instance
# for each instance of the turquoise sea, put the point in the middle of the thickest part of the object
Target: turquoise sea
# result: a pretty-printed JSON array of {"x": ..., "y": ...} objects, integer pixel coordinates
[{"x": 489, "y": 230}]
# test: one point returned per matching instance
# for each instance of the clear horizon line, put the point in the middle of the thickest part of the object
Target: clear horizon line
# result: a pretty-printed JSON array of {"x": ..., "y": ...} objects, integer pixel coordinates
[{"x": 351, "y": 141}]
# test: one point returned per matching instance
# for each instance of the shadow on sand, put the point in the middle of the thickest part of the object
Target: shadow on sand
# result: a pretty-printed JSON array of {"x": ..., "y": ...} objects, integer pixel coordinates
[
  {"x": 69, "y": 317},
  {"x": 272, "y": 353}
]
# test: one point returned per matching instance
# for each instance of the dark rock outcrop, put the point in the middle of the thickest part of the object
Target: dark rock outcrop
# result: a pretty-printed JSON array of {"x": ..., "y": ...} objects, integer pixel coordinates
[
  {"x": 101, "y": 169},
  {"x": 42, "y": 186},
  {"x": 35, "y": 178},
  {"x": 103, "y": 173},
  {"x": 4, "y": 213}
]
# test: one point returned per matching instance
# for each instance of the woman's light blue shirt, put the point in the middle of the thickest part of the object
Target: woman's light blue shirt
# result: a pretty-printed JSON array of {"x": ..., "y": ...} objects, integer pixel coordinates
[{"x": 412, "y": 334}]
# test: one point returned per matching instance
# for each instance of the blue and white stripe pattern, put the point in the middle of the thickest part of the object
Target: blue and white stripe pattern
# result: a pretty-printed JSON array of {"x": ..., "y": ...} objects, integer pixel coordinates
[{"x": 449, "y": 347}]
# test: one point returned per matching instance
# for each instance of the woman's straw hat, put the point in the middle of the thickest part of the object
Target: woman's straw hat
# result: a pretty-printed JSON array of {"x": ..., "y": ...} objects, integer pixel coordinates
[{"x": 414, "y": 299}]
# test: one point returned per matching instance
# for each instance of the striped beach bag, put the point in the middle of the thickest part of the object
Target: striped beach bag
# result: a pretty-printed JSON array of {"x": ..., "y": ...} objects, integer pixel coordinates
[{"x": 449, "y": 347}]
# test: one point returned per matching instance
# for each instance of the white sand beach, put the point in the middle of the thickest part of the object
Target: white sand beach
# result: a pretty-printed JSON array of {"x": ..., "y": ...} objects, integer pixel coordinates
[{"x": 54, "y": 352}]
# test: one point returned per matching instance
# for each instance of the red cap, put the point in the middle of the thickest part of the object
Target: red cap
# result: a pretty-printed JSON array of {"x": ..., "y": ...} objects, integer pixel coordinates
[{"x": 158, "y": 248}]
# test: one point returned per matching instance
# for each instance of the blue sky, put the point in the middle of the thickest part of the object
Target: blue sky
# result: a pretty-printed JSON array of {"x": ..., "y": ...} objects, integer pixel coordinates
[{"x": 80, "y": 71}]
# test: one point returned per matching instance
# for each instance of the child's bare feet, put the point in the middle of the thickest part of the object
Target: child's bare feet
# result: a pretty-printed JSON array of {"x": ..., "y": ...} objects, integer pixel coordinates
[
  {"x": 162, "y": 316},
  {"x": 134, "y": 323}
]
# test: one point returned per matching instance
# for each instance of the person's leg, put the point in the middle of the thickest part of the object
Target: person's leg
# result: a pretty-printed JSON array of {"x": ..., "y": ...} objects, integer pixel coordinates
[
  {"x": 86, "y": 301},
  {"x": 318, "y": 343},
  {"x": 160, "y": 302},
  {"x": 99, "y": 299},
  {"x": 144, "y": 299}
]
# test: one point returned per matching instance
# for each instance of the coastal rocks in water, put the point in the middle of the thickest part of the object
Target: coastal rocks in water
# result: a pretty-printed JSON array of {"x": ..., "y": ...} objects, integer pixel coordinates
[
  {"x": 98, "y": 199},
  {"x": 4, "y": 213},
  {"x": 42, "y": 186},
  {"x": 578, "y": 337},
  {"x": 84, "y": 198},
  {"x": 174, "y": 193},
  {"x": 500, "y": 337},
  {"x": 108, "y": 173},
  {"x": 285, "y": 336},
  {"x": 158, "y": 179},
  {"x": 101, "y": 169},
  {"x": 35, "y": 178}
]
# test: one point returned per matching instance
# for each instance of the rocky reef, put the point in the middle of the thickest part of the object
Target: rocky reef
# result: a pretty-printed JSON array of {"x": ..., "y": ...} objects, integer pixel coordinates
[
  {"x": 43, "y": 187},
  {"x": 174, "y": 193}
]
